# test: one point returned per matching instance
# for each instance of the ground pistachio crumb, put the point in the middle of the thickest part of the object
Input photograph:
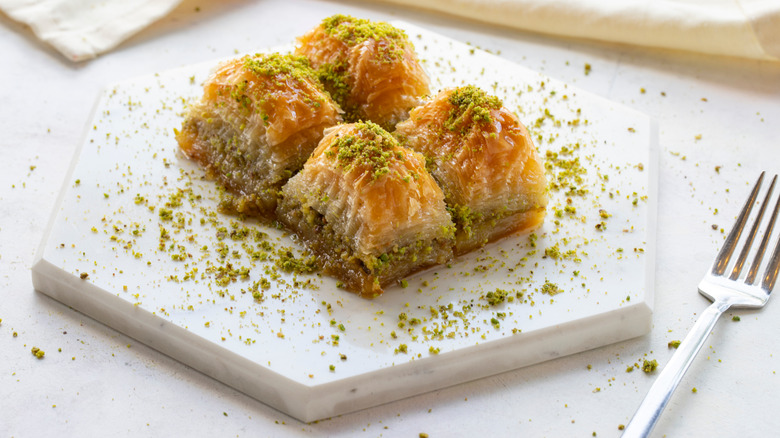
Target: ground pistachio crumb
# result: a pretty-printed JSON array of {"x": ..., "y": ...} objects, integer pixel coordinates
[
  {"x": 673, "y": 344},
  {"x": 496, "y": 297},
  {"x": 550, "y": 288},
  {"x": 735, "y": 318},
  {"x": 37, "y": 352},
  {"x": 649, "y": 366}
]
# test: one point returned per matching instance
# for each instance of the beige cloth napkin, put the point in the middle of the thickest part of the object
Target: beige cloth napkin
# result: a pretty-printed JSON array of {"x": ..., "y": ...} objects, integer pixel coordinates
[
  {"x": 83, "y": 29},
  {"x": 742, "y": 28}
]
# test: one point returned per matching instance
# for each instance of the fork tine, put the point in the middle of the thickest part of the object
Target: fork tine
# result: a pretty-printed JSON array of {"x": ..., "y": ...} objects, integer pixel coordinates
[
  {"x": 768, "y": 283},
  {"x": 749, "y": 241},
  {"x": 722, "y": 260},
  {"x": 751, "y": 276}
]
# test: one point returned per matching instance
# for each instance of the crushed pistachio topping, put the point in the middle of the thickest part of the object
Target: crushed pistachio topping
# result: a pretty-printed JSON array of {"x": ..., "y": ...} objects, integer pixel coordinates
[
  {"x": 276, "y": 64},
  {"x": 369, "y": 146},
  {"x": 278, "y": 68},
  {"x": 464, "y": 217},
  {"x": 335, "y": 77},
  {"x": 354, "y": 31},
  {"x": 288, "y": 262},
  {"x": 470, "y": 106}
]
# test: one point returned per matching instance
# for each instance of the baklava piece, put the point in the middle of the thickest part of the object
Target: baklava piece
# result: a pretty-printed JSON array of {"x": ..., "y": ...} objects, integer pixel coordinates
[
  {"x": 485, "y": 162},
  {"x": 368, "y": 209},
  {"x": 370, "y": 68},
  {"x": 258, "y": 121}
]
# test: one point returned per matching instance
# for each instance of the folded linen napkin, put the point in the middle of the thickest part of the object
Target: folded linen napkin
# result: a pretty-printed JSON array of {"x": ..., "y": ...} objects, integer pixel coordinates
[
  {"x": 83, "y": 29},
  {"x": 741, "y": 28}
]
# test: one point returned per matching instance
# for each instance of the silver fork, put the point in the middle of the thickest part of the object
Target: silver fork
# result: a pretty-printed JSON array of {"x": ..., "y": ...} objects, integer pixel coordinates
[{"x": 724, "y": 289}]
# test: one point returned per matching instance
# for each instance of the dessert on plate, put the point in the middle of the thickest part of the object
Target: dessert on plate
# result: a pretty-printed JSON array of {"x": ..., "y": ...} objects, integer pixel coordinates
[
  {"x": 368, "y": 208},
  {"x": 483, "y": 159},
  {"x": 370, "y": 68},
  {"x": 258, "y": 120},
  {"x": 459, "y": 171}
]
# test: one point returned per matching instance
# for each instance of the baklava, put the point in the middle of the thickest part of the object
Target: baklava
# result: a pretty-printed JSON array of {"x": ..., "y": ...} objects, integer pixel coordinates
[
  {"x": 370, "y": 68},
  {"x": 484, "y": 161},
  {"x": 258, "y": 120},
  {"x": 368, "y": 209}
]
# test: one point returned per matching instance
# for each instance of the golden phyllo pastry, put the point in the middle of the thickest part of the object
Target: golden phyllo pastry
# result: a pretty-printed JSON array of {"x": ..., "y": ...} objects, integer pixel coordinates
[
  {"x": 370, "y": 68},
  {"x": 368, "y": 209},
  {"x": 485, "y": 162},
  {"x": 258, "y": 120}
]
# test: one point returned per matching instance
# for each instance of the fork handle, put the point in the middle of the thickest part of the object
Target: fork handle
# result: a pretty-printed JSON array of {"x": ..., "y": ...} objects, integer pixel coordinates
[{"x": 661, "y": 392}]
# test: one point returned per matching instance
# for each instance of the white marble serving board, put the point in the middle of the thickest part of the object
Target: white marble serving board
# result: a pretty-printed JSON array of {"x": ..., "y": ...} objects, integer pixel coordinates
[{"x": 161, "y": 265}]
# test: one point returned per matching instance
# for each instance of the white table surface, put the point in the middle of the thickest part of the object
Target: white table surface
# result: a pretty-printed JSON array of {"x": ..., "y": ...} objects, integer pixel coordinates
[{"x": 104, "y": 382}]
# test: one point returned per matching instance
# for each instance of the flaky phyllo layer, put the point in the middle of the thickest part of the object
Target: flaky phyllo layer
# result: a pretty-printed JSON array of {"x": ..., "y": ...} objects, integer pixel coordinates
[
  {"x": 368, "y": 208},
  {"x": 458, "y": 172}
]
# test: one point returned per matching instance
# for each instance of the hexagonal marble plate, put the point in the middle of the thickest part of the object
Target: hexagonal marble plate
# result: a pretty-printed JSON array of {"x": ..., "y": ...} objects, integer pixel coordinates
[{"x": 137, "y": 242}]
